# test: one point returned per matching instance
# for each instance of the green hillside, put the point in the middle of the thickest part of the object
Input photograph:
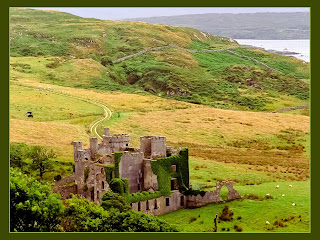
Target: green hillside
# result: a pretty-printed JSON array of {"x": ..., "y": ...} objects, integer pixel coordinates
[{"x": 178, "y": 63}]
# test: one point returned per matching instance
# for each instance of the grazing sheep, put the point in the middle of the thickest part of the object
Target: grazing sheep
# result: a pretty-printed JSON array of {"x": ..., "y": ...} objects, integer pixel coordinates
[
  {"x": 293, "y": 204},
  {"x": 39, "y": 86},
  {"x": 268, "y": 194},
  {"x": 277, "y": 186},
  {"x": 283, "y": 195},
  {"x": 267, "y": 222},
  {"x": 290, "y": 185}
]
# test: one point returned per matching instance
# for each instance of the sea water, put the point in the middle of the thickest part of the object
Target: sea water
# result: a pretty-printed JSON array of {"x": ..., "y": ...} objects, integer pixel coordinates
[{"x": 301, "y": 46}]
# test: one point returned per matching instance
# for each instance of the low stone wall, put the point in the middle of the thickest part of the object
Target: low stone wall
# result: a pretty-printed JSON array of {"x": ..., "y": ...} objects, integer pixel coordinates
[
  {"x": 199, "y": 201},
  {"x": 161, "y": 205},
  {"x": 65, "y": 191},
  {"x": 290, "y": 108},
  {"x": 178, "y": 200}
]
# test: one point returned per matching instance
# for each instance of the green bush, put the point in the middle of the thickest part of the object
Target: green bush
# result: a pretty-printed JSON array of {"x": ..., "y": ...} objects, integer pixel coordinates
[
  {"x": 119, "y": 185},
  {"x": 143, "y": 196},
  {"x": 57, "y": 177},
  {"x": 116, "y": 201},
  {"x": 33, "y": 206},
  {"x": 18, "y": 153},
  {"x": 192, "y": 192},
  {"x": 81, "y": 215},
  {"x": 106, "y": 60}
]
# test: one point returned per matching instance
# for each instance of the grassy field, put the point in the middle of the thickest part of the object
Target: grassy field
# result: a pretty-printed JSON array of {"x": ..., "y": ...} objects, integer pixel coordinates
[
  {"x": 52, "y": 124},
  {"x": 253, "y": 213},
  {"x": 254, "y": 149}
]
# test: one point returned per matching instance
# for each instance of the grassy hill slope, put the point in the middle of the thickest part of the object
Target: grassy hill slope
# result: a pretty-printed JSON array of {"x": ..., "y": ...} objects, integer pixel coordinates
[{"x": 68, "y": 50}]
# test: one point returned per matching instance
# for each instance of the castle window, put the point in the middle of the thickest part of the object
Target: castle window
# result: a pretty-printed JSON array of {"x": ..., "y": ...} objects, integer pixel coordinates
[
  {"x": 139, "y": 206},
  {"x": 155, "y": 204},
  {"x": 92, "y": 195},
  {"x": 167, "y": 202},
  {"x": 98, "y": 195},
  {"x": 102, "y": 184},
  {"x": 127, "y": 144},
  {"x": 139, "y": 187},
  {"x": 181, "y": 200},
  {"x": 147, "y": 205}
]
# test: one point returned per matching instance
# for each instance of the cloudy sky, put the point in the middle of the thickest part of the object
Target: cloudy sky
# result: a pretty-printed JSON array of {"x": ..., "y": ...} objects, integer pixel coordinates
[{"x": 123, "y": 13}]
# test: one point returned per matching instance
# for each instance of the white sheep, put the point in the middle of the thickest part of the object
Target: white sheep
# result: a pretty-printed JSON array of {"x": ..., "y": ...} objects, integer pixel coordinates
[
  {"x": 290, "y": 185},
  {"x": 267, "y": 222},
  {"x": 268, "y": 194},
  {"x": 277, "y": 186},
  {"x": 283, "y": 195},
  {"x": 293, "y": 204}
]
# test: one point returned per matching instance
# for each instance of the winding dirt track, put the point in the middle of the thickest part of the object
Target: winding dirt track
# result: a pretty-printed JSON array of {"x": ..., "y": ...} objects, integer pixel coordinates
[{"x": 93, "y": 126}]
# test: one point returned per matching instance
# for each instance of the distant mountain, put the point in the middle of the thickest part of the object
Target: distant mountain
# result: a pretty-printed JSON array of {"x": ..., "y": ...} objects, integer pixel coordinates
[{"x": 242, "y": 25}]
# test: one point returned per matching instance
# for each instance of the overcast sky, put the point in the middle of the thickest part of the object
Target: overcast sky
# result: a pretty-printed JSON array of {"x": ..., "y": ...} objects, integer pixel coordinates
[{"x": 123, "y": 13}]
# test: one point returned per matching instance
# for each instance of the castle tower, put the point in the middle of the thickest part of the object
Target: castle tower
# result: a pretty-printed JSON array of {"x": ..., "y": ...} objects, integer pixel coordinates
[{"x": 153, "y": 146}]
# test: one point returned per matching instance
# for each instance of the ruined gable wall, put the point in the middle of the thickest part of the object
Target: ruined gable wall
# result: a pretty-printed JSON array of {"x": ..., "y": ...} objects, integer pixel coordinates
[
  {"x": 213, "y": 196},
  {"x": 131, "y": 167}
]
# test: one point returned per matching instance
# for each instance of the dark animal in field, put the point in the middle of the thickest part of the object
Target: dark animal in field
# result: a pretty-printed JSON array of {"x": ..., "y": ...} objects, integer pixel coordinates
[
  {"x": 71, "y": 114},
  {"x": 29, "y": 114}
]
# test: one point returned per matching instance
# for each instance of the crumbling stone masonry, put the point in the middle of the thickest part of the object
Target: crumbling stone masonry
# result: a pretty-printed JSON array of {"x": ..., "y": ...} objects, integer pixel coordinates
[{"x": 96, "y": 167}]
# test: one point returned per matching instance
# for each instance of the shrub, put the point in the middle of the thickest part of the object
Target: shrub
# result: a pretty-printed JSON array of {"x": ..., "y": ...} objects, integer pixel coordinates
[
  {"x": 33, "y": 206},
  {"x": 119, "y": 185},
  {"x": 106, "y": 60},
  {"x": 226, "y": 214},
  {"x": 115, "y": 201},
  {"x": 81, "y": 215},
  {"x": 192, "y": 219},
  {"x": 237, "y": 228},
  {"x": 57, "y": 177},
  {"x": 192, "y": 192},
  {"x": 18, "y": 152},
  {"x": 143, "y": 196}
]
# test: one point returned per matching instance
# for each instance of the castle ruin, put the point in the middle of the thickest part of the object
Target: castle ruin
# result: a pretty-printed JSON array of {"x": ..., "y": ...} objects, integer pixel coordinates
[{"x": 153, "y": 168}]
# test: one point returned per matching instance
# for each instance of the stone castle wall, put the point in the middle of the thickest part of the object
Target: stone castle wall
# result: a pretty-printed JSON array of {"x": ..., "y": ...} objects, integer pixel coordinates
[
  {"x": 161, "y": 205},
  {"x": 131, "y": 167}
]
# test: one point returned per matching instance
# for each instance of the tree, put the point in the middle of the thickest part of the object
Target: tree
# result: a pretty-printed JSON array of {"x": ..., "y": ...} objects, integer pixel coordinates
[
  {"x": 41, "y": 156},
  {"x": 18, "y": 153},
  {"x": 33, "y": 206}
]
